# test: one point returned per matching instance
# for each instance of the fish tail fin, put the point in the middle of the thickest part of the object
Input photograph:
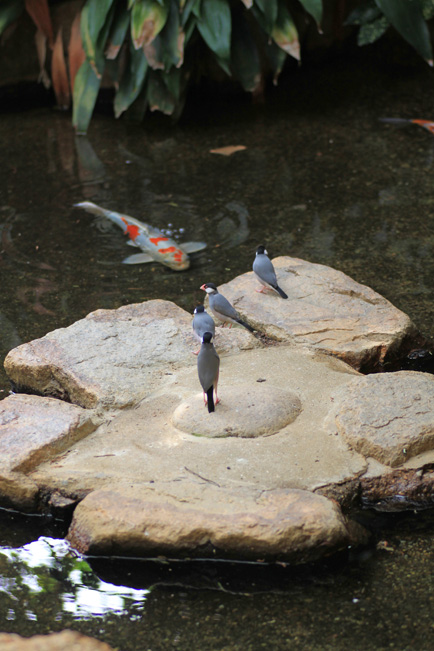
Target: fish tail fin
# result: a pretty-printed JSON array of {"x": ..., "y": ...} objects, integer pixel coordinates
[
  {"x": 281, "y": 292},
  {"x": 210, "y": 397},
  {"x": 88, "y": 206}
]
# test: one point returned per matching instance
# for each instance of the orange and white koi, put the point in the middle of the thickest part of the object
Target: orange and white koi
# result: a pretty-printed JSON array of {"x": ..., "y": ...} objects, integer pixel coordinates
[
  {"x": 403, "y": 122},
  {"x": 155, "y": 245}
]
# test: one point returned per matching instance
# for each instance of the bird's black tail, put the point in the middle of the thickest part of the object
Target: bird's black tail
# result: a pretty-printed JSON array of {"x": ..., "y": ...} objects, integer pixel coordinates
[
  {"x": 210, "y": 396},
  {"x": 246, "y": 325},
  {"x": 281, "y": 292}
]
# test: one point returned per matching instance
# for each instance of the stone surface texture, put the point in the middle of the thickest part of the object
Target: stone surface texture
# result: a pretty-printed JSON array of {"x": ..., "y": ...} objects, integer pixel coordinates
[
  {"x": 63, "y": 641},
  {"x": 325, "y": 309},
  {"x": 399, "y": 427},
  {"x": 297, "y": 433}
]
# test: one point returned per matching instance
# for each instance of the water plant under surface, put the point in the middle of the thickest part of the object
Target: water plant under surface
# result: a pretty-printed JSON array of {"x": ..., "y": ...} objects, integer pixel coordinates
[{"x": 151, "y": 50}]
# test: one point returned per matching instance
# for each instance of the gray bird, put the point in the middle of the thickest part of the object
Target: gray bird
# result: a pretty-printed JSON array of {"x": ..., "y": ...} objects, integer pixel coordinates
[
  {"x": 208, "y": 365},
  {"x": 221, "y": 308},
  {"x": 202, "y": 322},
  {"x": 264, "y": 272}
]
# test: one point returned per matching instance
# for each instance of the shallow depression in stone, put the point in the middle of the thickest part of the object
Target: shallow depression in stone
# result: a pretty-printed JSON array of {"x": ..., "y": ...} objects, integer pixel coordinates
[{"x": 245, "y": 410}]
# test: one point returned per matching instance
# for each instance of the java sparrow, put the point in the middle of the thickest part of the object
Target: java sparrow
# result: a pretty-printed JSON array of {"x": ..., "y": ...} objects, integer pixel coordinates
[
  {"x": 202, "y": 322},
  {"x": 208, "y": 365},
  {"x": 264, "y": 272},
  {"x": 221, "y": 308}
]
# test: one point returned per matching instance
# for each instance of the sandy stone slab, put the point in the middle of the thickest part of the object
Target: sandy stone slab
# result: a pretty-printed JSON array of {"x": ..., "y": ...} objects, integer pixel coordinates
[
  {"x": 34, "y": 429},
  {"x": 249, "y": 410},
  {"x": 201, "y": 520},
  {"x": 325, "y": 309},
  {"x": 63, "y": 641},
  {"x": 389, "y": 416},
  {"x": 112, "y": 358}
]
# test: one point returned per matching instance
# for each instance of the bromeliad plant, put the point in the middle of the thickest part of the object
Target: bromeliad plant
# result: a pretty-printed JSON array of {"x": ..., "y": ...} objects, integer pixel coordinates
[{"x": 151, "y": 48}]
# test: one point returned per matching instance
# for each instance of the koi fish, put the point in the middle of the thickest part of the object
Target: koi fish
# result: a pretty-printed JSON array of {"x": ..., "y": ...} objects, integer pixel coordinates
[
  {"x": 402, "y": 122},
  {"x": 154, "y": 244}
]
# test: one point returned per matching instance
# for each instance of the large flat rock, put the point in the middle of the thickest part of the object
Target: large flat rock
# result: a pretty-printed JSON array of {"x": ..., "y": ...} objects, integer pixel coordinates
[
  {"x": 112, "y": 358},
  {"x": 325, "y": 309}
]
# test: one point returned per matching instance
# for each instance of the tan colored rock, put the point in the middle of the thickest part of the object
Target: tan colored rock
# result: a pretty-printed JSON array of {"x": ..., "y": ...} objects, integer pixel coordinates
[
  {"x": 389, "y": 416},
  {"x": 112, "y": 358},
  {"x": 325, "y": 309},
  {"x": 248, "y": 411},
  {"x": 63, "y": 641},
  {"x": 203, "y": 520},
  {"x": 34, "y": 430}
]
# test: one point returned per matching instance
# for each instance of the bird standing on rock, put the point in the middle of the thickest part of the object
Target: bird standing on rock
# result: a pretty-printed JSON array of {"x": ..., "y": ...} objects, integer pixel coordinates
[
  {"x": 264, "y": 271},
  {"x": 221, "y": 308},
  {"x": 208, "y": 365},
  {"x": 202, "y": 322}
]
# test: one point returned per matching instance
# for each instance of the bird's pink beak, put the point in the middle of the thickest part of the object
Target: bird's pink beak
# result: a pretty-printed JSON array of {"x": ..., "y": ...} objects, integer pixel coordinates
[{"x": 204, "y": 288}]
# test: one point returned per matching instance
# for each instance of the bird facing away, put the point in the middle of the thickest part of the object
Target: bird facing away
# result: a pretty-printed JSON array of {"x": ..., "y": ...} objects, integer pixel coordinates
[
  {"x": 208, "y": 365},
  {"x": 221, "y": 308},
  {"x": 264, "y": 271},
  {"x": 202, "y": 322}
]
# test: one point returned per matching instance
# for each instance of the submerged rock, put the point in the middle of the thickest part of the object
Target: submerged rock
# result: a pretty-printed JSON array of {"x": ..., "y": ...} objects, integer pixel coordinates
[{"x": 63, "y": 641}]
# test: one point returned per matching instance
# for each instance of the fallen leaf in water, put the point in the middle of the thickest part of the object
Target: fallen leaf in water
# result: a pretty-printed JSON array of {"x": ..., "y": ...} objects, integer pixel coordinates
[{"x": 228, "y": 151}]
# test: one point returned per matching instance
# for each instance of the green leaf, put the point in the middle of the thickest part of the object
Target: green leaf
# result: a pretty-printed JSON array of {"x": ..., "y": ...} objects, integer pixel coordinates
[
  {"x": 86, "y": 87},
  {"x": 118, "y": 31},
  {"x": 132, "y": 81},
  {"x": 94, "y": 26},
  {"x": 364, "y": 14},
  {"x": 148, "y": 18},
  {"x": 314, "y": 8},
  {"x": 158, "y": 94},
  {"x": 285, "y": 33},
  {"x": 215, "y": 26},
  {"x": 10, "y": 10},
  {"x": 269, "y": 10},
  {"x": 428, "y": 9},
  {"x": 167, "y": 49},
  {"x": 246, "y": 63},
  {"x": 407, "y": 18},
  {"x": 190, "y": 7},
  {"x": 370, "y": 32}
]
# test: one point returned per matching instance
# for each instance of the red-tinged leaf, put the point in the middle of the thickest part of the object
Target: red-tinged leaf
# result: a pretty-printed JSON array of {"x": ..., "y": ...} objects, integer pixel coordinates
[
  {"x": 41, "y": 50},
  {"x": 40, "y": 14},
  {"x": 76, "y": 54},
  {"x": 86, "y": 87},
  {"x": 148, "y": 18},
  {"x": 167, "y": 49},
  {"x": 10, "y": 10},
  {"x": 285, "y": 33},
  {"x": 59, "y": 75},
  {"x": 158, "y": 95}
]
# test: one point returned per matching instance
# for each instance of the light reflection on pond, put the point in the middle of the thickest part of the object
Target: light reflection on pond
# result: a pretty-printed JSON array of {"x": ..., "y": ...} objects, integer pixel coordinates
[{"x": 48, "y": 565}]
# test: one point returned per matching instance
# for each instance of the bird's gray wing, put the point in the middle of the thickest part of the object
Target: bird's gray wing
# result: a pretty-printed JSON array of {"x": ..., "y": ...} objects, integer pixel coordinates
[
  {"x": 221, "y": 305},
  {"x": 208, "y": 364},
  {"x": 263, "y": 267}
]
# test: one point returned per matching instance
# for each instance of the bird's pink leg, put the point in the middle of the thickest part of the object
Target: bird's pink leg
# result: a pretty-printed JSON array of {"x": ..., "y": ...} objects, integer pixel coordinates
[
  {"x": 205, "y": 398},
  {"x": 262, "y": 290},
  {"x": 217, "y": 399}
]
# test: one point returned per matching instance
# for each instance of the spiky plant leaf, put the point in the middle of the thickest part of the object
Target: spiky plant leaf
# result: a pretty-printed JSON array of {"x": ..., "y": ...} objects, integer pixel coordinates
[
  {"x": 267, "y": 14},
  {"x": 132, "y": 81},
  {"x": 118, "y": 31},
  {"x": 215, "y": 26},
  {"x": 10, "y": 10},
  {"x": 167, "y": 49},
  {"x": 364, "y": 14},
  {"x": 158, "y": 95},
  {"x": 246, "y": 63},
  {"x": 95, "y": 24},
  {"x": 407, "y": 18},
  {"x": 285, "y": 33},
  {"x": 148, "y": 18},
  {"x": 86, "y": 87},
  {"x": 314, "y": 8},
  {"x": 190, "y": 7}
]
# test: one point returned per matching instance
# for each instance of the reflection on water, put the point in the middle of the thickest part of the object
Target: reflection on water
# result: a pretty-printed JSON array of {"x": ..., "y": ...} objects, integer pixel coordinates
[{"x": 47, "y": 567}]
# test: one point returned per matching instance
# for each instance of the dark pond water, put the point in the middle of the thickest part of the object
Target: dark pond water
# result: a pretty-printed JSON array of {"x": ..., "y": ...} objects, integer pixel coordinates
[{"x": 322, "y": 179}]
